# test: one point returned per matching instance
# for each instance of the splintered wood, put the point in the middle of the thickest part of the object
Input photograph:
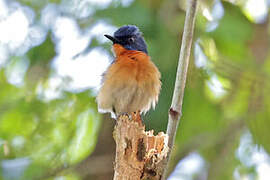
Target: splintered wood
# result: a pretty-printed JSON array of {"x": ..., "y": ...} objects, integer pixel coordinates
[{"x": 138, "y": 152}]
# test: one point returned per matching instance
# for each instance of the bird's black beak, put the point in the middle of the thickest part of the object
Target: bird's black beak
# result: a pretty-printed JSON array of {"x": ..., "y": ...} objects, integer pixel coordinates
[{"x": 113, "y": 39}]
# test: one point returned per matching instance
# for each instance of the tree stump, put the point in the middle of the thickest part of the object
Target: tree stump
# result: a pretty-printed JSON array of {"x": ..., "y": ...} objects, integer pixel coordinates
[{"x": 139, "y": 153}]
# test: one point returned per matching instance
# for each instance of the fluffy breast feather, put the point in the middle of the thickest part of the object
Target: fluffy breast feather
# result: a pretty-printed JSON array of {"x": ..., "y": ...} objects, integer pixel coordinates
[{"x": 131, "y": 83}]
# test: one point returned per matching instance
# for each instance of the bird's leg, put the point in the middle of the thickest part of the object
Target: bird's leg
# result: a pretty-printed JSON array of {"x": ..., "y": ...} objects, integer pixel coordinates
[
  {"x": 136, "y": 116},
  {"x": 133, "y": 116},
  {"x": 139, "y": 116}
]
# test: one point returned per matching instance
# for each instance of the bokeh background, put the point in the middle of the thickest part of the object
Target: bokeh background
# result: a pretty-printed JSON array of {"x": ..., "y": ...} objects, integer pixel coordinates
[{"x": 52, "y": 55}]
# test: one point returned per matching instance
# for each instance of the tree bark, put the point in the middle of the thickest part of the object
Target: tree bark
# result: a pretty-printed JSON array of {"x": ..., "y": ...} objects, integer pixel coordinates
[
  {"x": 175, "y": 111},
  {"x": 138, "y": 152}
]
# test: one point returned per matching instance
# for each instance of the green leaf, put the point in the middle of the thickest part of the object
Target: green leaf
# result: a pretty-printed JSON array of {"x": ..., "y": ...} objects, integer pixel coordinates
[{"x": 84, "y": 140}]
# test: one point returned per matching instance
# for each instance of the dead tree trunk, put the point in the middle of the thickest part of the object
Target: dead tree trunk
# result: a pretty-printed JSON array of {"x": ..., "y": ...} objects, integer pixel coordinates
[{"x": 138, "y": 152}]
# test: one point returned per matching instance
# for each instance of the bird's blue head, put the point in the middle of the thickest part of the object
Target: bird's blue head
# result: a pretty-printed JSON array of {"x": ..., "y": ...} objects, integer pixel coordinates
[{"x": 129, "y": 37}]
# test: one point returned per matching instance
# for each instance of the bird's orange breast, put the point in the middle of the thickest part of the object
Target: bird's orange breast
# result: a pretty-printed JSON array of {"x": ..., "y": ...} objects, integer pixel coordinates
[
  {"x": 131, "y": 83},
  {"x": 136, "y": 64}
]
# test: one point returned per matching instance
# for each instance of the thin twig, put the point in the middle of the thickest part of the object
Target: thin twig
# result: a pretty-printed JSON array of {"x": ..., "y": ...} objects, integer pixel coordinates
[{"x": 175, "y": 111}]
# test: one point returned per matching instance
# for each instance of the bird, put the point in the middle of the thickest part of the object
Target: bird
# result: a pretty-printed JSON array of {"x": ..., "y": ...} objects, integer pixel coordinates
[{"x": 131, "y": 84}]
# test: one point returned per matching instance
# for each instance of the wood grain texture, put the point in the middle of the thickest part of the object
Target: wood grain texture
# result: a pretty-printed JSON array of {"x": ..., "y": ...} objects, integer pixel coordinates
[{"x": 138, "y": 152}]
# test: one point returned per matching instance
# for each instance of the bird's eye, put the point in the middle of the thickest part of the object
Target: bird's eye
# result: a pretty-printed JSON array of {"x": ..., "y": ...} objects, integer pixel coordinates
[{"x": 131, "y": 39}]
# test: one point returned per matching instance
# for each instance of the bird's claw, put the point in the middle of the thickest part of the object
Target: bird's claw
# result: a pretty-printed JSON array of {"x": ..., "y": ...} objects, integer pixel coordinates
[
  {"x": 136, "y": 116},
  {"x": 125, "y": 114}
]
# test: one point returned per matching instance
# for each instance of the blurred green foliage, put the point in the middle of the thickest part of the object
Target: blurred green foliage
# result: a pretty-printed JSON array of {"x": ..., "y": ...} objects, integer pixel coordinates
[{"x": 227, "y": 91}]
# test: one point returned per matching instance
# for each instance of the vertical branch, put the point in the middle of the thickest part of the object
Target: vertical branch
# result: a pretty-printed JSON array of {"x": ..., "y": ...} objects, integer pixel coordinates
[{"x": 175, "y": 111}]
